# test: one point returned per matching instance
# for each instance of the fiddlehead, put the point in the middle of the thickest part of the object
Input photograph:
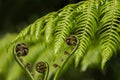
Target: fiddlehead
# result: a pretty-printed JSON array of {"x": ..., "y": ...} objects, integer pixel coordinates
[
  {"x": 71, "y": 41},
  {"x": 56, "y": 65},
  {"x": 43, "y": 67},
  {"x": 19, "y": 51}
]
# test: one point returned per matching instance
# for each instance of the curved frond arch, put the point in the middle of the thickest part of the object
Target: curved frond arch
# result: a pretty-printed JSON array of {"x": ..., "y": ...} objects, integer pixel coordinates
[{"x": 94, "y": 23}]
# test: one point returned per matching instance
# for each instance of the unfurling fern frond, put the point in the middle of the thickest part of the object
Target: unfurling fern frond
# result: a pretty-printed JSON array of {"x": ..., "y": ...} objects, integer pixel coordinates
[
  {"x": 64, "y": 25},
  {"x": 95, "y": 24}
]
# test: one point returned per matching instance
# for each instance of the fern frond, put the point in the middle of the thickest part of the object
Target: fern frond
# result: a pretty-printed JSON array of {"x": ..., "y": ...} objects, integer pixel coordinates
[
  {"x": 109, "y": 36},
  {"x": 50, "y": 28},
  {"x": 85, "y": 26},
  {"x": 92, "y": 58},
  {"x": 36, "y": 30},
  {"x": 63, "y": 27},
  {"x": 96, "y": 24}
]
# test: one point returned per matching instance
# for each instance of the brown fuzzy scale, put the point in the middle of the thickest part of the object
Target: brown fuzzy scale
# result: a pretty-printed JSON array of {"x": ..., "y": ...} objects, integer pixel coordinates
[
  {"x": 62, "y": 60},
  {"x": 55, "y": 65},
  {"x": 21, "y": 60},
  {"x": 71, "y": 40},
  {"x": 32, "y": 74},
  {"x": 29, "y": 67},
  {"x": 21, "y": 49},
  {"x": 66, "y": 53},
  {"x": 41, "y": 67},
  {"x": 39, "y": 78}
]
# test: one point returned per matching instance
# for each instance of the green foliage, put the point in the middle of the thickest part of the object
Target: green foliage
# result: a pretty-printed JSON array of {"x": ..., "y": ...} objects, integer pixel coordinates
[
  {"x": 96, "y": 25},
  {"x": 5, "y": 58}
]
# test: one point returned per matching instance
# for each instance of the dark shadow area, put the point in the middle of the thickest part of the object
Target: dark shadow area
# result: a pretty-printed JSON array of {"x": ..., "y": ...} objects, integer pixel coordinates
[
  {"x": 17, "y": 14},
  {"x": 111, "y": 72}
]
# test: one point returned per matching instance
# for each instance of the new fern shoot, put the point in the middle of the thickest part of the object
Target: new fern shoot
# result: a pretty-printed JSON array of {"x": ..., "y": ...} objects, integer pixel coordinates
[{"x": 88, "y": 31}]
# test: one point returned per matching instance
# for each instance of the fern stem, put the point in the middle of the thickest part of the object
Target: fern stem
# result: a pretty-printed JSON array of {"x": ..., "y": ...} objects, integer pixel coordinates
[
  {"x": 76, "y": 47},
  {"x": 47, "y": 72},
  {"x": 21, "y": 65}
]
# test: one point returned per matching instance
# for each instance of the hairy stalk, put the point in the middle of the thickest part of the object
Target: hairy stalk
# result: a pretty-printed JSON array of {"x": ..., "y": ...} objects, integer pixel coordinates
[
  {"x": 47, "y": 72},
  {"x": 21, "y": 64},
  {"x": 73, "y": 51}
]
